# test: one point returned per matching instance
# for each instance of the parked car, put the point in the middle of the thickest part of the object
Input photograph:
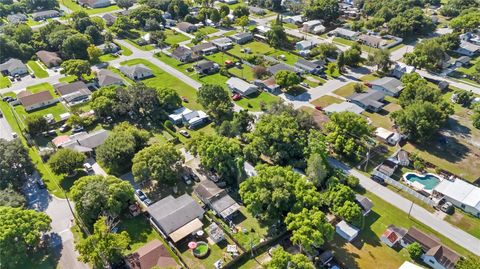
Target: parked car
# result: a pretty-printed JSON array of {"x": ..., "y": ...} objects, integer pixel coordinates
[
  {"x": 41, "y": 184},
  {"x": 304, "y": 84},
  {"x": 187, "y": 180},
  {"x": 140, "y": 195},
  {"x": 184, "y": 99},
  {"x": 147, "y": 202},
  {"x": 447, "y": 207},
  {"x": 319, "y": 108},
  {"x": 195, "y": 177},
  {"x": 88, "y": 167},
  {"x": 64, "y": 128},
  {"x": 184, "y": 133},
  {"x": 77, "y": 129},
  {"x": 236, "y": 97}
]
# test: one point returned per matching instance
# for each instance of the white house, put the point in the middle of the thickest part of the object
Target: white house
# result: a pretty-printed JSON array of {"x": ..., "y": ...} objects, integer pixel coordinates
[
  {"x": 400, "y": 69},
  {"x": 32, "y": 101},
  {"x": 387, "y": 136},
  {"x": 389, "y": 85},
  {"x": 293, "y": 19},
  {"x": 240, "y": 86},
  {"x": 308, "y": 26},
  {"x": 461, "y": 194},
  {"x": 305, "y": 44},
  {"x": 346, "y": 230},
  {"x": 138, "y": 71},
  {"x": 188, "y": 117}
]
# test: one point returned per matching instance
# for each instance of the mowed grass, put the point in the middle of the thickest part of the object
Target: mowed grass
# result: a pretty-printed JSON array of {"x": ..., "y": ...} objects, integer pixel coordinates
[
  {"x": 254, "y": 101},
  {"x": 145, "y": 47},
  {"x": 255, "y": 47},
  {"x": 42, "y": 87},
  {"x": 162, "y": 79},
  {"x": 208, "y": 30},
  {"x": 174, "y": 37},
  {"x": 346, "y": 90},
  {"x": 4, "y": 82},
  {"x": 70, "y": 4},
  {"x": 326, "y": 100},
  {"x": 245, "y": 73},
  {"x": 38, "y": 71},
  {"x": 466, "y": 222}
]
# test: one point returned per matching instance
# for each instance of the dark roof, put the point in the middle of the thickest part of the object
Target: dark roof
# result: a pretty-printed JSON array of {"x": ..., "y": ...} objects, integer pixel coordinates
[
  {"x": 35, "y": 98},
  {"x": 68, "y": 88},
  {"x": 184, "y": 26},
  {"x": 207, "y": 189},
  {"x": 274, "y": 69},
  {"x": 106, "y": 77},
  {"x": 204, "y": 65},
  {"x": 172, "y": 213},
  {"x": 364, "y": 202},
  {"x": 220, "y": 201},
  {"x": 387, "y": 167},
  {"x": 48, "y": 57},
  {"x": 45, "y": 13},
  {"x": 369, "y": 98},
  {"x": 87, "y": 141},
  {"x": 426, "y": 241},
  {"x": 307, "y": 65},
  {"x": 203, "y": 46},
  {"x": 181, "y": 51},
  {"x": 445, "y": 256}
]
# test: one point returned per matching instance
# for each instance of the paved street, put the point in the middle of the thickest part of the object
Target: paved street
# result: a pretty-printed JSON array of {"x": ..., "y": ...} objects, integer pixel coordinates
[
  {"x": 434, "y": 221},
  {"x": 5, "y": 129},
  {"x": 26, "y": 81}
]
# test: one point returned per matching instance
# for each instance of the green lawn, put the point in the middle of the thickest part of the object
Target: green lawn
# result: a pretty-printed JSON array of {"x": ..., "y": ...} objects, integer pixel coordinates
[
  {"x": 125, "y": 51},
  {"x": 70, "y": 4},
  {"x": 68, "y": 79},
  {"x": 326, "y": 100},
  {"x": 56, "y": 110},
  {"x": 37, "y": 69},
  {"x": 285, "y": 56},
  {"x": 4, "y": 82},
  {"x": 254, "y": 101},
  {"x": 220, "y": 58},
  {"x": 370, "y": 77},
  {"x": 145, "y": 47},
  {"x": 174, "y": 37},
  {"x": 255, "y": 47},
  {"x": 42, "y": 87},
  {"x": 163, "y": 79},
  {"x": 466, "y": 222},
  {"x": 245, "y": 73},
  {"x": 208, "y": 30},
  {"x": 334, "y": 74},
  {"x": 107, "y": 57},
  {"x": 350, "y": 43},
  {"x": 346, "y": 90}
]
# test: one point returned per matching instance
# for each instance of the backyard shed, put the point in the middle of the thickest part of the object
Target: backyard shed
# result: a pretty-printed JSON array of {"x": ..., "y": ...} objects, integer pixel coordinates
[{"x": 346, "y": 230}]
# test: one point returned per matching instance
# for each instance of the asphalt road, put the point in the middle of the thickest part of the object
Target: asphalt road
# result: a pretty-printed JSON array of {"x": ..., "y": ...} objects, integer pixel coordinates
[{"x": 5, "y": 129}]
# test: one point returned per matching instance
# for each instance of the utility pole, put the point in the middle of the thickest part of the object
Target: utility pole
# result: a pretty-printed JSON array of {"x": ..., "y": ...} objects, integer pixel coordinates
[{"x": 410, "y": 211}]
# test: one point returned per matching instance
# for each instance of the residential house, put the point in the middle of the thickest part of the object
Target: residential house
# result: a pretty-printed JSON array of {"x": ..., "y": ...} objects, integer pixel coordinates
[
  {"x": 31, "y": 101},
  {"x": 46, "y": 14},
  {"x": 402, "y": 158},
  {"x": 386, "y": 169},
  {"x": 342, "y": 107},
  {"x": 392, "y": 236},
  {"x": 370, "y": 100},
  {"x": 386, "y": 136},
  {"x": 83, "y": 142},
  {"x": 109, "y": 18},
  {"x": 205, "y": 67},
  {"x": 95, "y": 3},
  {"x": 461, "y": 194},
  {"x": 152, "y": 254},
  {"x": 230, "y": 2},
  {"x": 109, "y": 47},
  {"x": 217, "y": 199},
  {"x": 463, "y": 61},
  {"x": 309, "y": 26},
  {"x": 49, "y": 58},
  {"x": 388, "y": 85},
  {"x": 293, "y": 19},
  {"x": 223, "y": 43},
  {"x": 274, "y": 69},
  {"x": 178, "y": 217},
  {"x": 468, "y": 49},
  {"x": 204, "y": 48},
  {"x": 371, "y": 41},
  {"x": 312, "y": 67},
  {"x": 364, "y": 203},
  {"x": 471, "y": 37},
  {"x": 257, "y": 10},
  {"x": 106, "y": 77},
  {"x": 13, "y": 67},
  {"x": 262, "y": 29},
  {"x": 400, "y": 69},
  {"x": 242, "y": 38},
  {"x": 73, "y": 93},
  {"x": 268, "y": 84},
  {"x": 435, "y": 254},
  {"x": 135, "y": 72},
  {"x": 344, "y": 33},
  {"x": 241, "y": 87},
  {"x": 346, "y": 230},
  {"x": 17, "y": 18},
  {"x": 305, "y": 44},
  {"x": 186, "y": 27},
  {"x": 183, "y": 54},
  {"x": 187, "y": 117}
]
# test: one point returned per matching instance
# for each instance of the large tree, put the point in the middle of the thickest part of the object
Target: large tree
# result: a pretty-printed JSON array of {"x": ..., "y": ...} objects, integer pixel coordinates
[
  {"x": 75, "y": 47},
  {"x": 125, "y": 4},
  {"x": 381, "y": 59},
  {"x": 287, "y": 79},
  {"x": 15, "y": 163},
  {"x": 317, "y": 170},
  {"x": 97, "y": 195},
  {"x": 216, "y": 100},
  {"x": 326, "y": 10},
  {"x": 410, "y": 23},
  {"x": 36, "y": 124},
  {"x": 12, "y": 198},
  {"x": 103, "y": 247},
  {"x": 276, "y": 36},
  {"x": 157, "y": 162},
  {"x": 78, "y": 68},
  {"x": 468, "y": 21},
  {"x": 284, "y": 260},
  {"x": 20, "y": 234},
  {"x": 66, "y": 161},
  {"x": 349, "y": 211},
  {"x": 309, "y": 228},
  {"x": 169, "y": 99}
]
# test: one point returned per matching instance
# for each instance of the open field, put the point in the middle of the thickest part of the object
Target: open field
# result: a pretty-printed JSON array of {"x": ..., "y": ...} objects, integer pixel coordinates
[
  {"x": 255, "y": 47},
  {"x": 174, "y": 37}
]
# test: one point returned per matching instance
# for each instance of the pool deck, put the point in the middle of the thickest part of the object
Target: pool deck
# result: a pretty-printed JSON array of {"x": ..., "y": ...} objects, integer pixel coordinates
[{"x": 416, "y": 185}]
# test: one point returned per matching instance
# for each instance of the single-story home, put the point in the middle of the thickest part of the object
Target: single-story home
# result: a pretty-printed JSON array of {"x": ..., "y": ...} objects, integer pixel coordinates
[
  {"x": 95, "y": 3},
  {"x": 223, "y": 43},
  {"x": 346, "y": 230},
  {"x": 240, "y": 86},
  {"x": 392, "y": 235},
  {"x": 178, "y": 217},
  {"x": 386, "y": 169},
  {"x": 387, "y": 136},
  {"x": 183, "y": 54},
  {"x": 73, "y": 93},
  {"x": 257, "y": 10},
  {"x": 402, "y": 158},
  {"x": 468, "y": 49},
  {"x": 16, "y": 18},
  {"x": 308, "y": 26},
  {"x": 409, "y": 265},
  {"x": 463, "y": 61},
  {"x": 186, "y": 27},
  {"x": 370, "y": 100},
  {"x": 82, "y": 142},
  {"x": 242, "y": 38},
  {"x": 461, "y": 194},
  {"x": 13, "y": 67},
  {"x": 269, "y": 84},
  {"x": 109, "y": 18},
  {"x": 400, "y": 68},
  {"x": 205, "y": 48},
  {"x": 344, "y": 33},
  {"x": 371, "y": 41},
  {"x": 109, "y": 47},
  {"x": 305, "y": 44},
  {"x": 389, "y": 85},
  {"x": 262, "y": 29},
  {"x": 344, "y": 106},
  {"x": 364, "y": 203},
  {"x": 46, "y": 14},
  {"x": 31, "y": 101},
  {"x": 49, "y": 58},
  {"x": 217, "y": 199},
  {"x": 274, "y": 69},
  {"x": 106, "y": 77},
  {"x": 297, "y": 19},
  {"x": 434, "y": 254},
  {"x": 205, "y": 67},
  {"x": 312, "y": 67},
  {"x": 135, "y": 72},
  {"x": 190, "y": 118},
  {"x": 152, "y": 254}
]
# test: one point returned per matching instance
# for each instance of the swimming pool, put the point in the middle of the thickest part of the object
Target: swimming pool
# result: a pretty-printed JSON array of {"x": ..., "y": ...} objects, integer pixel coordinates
[{"x": 429, "y": 181}]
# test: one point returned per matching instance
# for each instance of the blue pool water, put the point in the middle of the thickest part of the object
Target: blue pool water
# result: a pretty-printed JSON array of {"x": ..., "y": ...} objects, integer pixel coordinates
[{"x": 428, "y": 181}]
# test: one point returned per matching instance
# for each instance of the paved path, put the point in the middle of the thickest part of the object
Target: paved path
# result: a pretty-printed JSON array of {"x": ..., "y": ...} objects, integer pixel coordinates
[
  {"x": 435, "y": 222},
  {"x": 26, "y": 81},
  {"x": 5, "y": 129}
]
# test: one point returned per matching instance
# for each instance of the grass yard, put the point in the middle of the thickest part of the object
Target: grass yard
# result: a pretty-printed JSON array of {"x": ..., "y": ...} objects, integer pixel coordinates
[
  {"x": 70, "y": 4},
  {"x": 56, "y": 110},
  {"x": 326, "y": 100},
  {"x": 346, "y": 90},
  {"x": 208, "y": 30},
  {"x": 219, "y": 58},
  {"x": 163, "y": 79},
  {"x": 107, "y": 57},
  {"x": 285, "y": 56},
  {"x": 42, "y": 87},
  {"x": 379, "y": 120},
  {"x": 370, "y": 77},
  {"x": 174, "y": 37},
  {"x": 144, "y": 48},
  {"x": 466, "y": 222},
  {"x": 245, "y": 73},
  {"x": 38, "y": 71},
  {"x": 255, "y": 47},
  {"x": 125, "y": 51},
  {"x": 254, "y": 101},
  {"x": 68, "y": 79},
  {"x": 4, "y": 82},
  {"x": 350, "y": 43}
]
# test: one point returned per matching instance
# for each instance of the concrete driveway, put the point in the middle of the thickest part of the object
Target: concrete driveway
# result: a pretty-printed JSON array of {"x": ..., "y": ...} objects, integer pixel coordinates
[{"x": 5, "y": 129}]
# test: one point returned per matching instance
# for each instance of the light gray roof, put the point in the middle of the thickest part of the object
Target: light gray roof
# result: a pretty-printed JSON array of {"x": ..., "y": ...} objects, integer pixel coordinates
[
  {"x": 241, "y": 35},
  {"x": 364, "y": 202},
  {"x": 135, "y": 69},
  {"x": 16, "y": 18},
  {"x": 106, "y": 77},
  {"x": 345, "y": 32},
  {"x": 207, "y": 189},
  {"x": 204, "y": 46},
  {"x": 390, "y": 83},
  {"x": 172, "y": 213},
  {"x": 307, "y": 65},
  {"x": 45, "y": 13},
  {"x": 87, "y": 140},
  {"x": 370, "y": 98},
  {"x": 469, "y": 46},
  {"x": 274, "y": 69},
  {"x": 11, "y": 64}
]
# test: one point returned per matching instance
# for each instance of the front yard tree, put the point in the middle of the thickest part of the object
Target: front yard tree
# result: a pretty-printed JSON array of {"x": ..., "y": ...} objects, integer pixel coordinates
[
  {"x": 224, "y": 10},
  {"x": 14, "y": 163},
  {"x": 349, "y": 211},
  {"x": 276, "y": 36},
  {"x": 340, "y": 62},
  {"x": 353, "y": 56},
  {"x": 243, "y": 22},
  {"x": 287, "y": 79},
  {"x": 36, "y": 124},
  {"x": 158, "y": 38},
  {"x": 215, "y": 16},
  {"x": 94, "y": 54},
  {"x": 284, "y": 260},
  {"x": 66, "y": 161},
  {"x": 103, "y": 247},
  {"x": 77, "y": 68},
  {"x": 241, "y": 11},
  {"x": 125, "y": 4},
  {"x": 216, "y": 100},
  {"x": 309, "y": 228},
  {"x": 469, "y": 262},
  {"x": 103, "y": 106},
  {"x": 381, "y": 59},
  {"x": 169, "y": 99},
  {"x": 10, "y": 197},
  {"x": 157, "y": 162},
  {"x": 75, "y": 46},
  {"x": 97, "y": 195},
  {"x": 414, "y": 250},
  {"x": 317, "y": 170},
  {"x": 21, "y": 231}
]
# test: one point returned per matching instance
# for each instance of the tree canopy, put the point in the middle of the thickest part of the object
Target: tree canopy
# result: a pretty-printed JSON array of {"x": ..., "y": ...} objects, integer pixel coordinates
[
  {"x": 36, "y": 124},
  {"x": 66, "y": 161},
  {"x": 287, "y": 79},
  {"x": 15, "y": 163},
  {"x": 284, "y": 260},
  {"x": 216, "y": 100},
  {"x": 326, "y": 10}
]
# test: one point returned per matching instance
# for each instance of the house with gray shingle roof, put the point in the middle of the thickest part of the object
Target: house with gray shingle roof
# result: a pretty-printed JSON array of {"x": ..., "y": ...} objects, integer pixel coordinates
[
  {"x": 46, "y": 14},
  {"x": 13, "y": 67},
  {"x": 389, "y": 85},
  {"x": 106, "y": 77},
  {"x": 135, "y": 72},
  {"x": 369, "y": 100}
]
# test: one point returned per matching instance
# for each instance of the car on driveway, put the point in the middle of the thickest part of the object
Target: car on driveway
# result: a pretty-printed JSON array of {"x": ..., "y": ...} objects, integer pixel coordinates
[
  {"x": 141, "y": 195},
  {"x": 187, "y": 179},
  {"x": 195, "y": 177},
  {"x": 147, "y": 202},
  {"x": 184, "y": 133}
]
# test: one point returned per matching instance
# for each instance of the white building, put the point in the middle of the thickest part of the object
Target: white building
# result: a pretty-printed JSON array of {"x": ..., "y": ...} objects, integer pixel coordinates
[
  {"x": 409, "y": 265},
  {"x": 240, "y": 86},
  {"x": 461, "y": 194},
  {"x": 188, "y": 117},
  {"x": 346, "y": 230}
]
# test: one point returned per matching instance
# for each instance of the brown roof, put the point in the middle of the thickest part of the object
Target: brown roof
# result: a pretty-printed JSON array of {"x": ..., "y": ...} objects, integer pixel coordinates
[
  {"x": 426, "y": 241},
  {"x": 207, "y": 189},
  {"x": 154, "y": 253},
  {"x": 23, "y": 93},
  {"x": 35, "y": 98},
  {"x": 48, "y": 57},
  {"x": 445, "y": 256},
  {"x": 64, "y": 88}
]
